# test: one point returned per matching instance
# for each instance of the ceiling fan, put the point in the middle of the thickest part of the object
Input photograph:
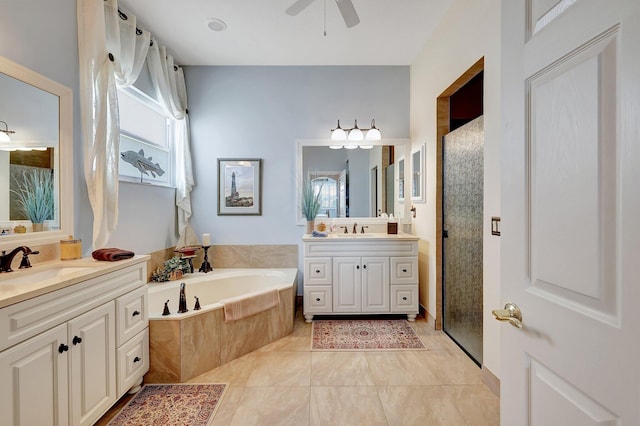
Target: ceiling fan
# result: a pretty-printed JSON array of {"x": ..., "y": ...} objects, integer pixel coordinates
[{"x": 347, "y": 10}]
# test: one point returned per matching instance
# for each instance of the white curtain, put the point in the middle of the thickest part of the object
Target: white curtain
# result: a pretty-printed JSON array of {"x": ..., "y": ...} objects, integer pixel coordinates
[
  {"x": 168, "y": 81},
  {"x": 112, "y": 53}
]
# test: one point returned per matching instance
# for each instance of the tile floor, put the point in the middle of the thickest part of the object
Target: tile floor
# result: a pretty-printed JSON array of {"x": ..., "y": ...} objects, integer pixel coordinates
[{"x": 285, "y": 383}]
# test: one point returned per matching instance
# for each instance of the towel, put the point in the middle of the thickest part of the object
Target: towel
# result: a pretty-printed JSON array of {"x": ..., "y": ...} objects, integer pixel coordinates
[
  {"x": 111, "y": 254},
  {"x": 239, "y": 307},
  {"x": 315, "y": 233}
]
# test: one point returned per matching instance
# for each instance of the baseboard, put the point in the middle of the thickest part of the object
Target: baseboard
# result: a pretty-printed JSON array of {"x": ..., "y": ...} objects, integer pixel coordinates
[
  {"x": 491, "y": 381},
  {"x": 426, "y": 314}
]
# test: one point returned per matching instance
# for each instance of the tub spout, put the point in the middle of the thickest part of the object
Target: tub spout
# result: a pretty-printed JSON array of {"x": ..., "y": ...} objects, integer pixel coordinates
[{"x": 182, "y": 305}]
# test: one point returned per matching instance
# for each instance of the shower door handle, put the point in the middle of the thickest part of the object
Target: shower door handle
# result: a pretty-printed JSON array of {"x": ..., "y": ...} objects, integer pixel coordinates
[
  {"x": 511, "y": 313},
  {"x": 445, "y": 233}
]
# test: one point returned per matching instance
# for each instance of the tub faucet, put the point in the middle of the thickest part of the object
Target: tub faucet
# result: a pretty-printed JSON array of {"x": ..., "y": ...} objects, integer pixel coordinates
[
  {"x": 6, "y": 259},
  {"x": 182, "y": 304}
]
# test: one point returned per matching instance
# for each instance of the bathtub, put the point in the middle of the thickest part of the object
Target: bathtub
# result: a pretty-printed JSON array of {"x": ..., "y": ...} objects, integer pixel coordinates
[{"x": 182, "y": 346}]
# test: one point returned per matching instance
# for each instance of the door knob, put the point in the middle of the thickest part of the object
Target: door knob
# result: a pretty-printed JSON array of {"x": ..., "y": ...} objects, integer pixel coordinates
[{"x": 510, "y": 313}]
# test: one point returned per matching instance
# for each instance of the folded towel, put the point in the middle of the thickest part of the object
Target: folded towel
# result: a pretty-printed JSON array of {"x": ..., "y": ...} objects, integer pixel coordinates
[
  {"x": 112, "y": 254},
  {"x": 315, "y": 233},
  {"x": 239, "y": 307}
]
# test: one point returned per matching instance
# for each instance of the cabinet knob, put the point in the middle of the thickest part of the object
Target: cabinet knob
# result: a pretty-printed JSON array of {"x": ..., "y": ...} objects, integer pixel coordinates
[
  {"x": 364, "y": 266},
  {"x": 137, "y": 359},
  {"x": 317, "y": 271},
  {"x": 404, "y": 298},
  {"x": 135, "y": 313},
  {"x": 317, "y": 299},
  {"x": 76, "y": 340},
  {"x": 357, "y": 266},
  {"x": 404, "y": 270},
  {"x": 63, "y": 348}
]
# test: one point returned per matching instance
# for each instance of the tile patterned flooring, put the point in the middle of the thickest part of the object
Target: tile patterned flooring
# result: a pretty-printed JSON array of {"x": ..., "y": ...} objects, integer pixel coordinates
[{"x": 285, "y": 383}]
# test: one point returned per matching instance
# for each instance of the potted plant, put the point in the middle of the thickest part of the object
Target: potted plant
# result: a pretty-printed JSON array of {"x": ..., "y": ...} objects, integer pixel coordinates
[
  {"x": 34, "y": 191},
  {"x": 310, "y": 204}
]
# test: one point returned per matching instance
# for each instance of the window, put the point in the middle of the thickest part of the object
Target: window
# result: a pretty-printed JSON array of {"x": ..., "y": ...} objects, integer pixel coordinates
[
  {"x": 328, "y": 189},
  {"x": 146, "y": 140}
]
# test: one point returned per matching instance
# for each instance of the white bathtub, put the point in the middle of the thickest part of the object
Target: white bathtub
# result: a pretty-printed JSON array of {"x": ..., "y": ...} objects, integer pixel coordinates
[
  {"x": 212, "y": 287},
  {"x": 183, "y": 346}
]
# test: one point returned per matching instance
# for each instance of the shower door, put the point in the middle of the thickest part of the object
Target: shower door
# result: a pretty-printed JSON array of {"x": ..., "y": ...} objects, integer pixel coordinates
[{"x": 463, "y": 175}]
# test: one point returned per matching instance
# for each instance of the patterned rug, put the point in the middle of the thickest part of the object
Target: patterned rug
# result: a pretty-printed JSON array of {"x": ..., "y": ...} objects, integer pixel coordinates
[
  {"x": 175, "y": 405},
  {"x": 364, "y": 335}
]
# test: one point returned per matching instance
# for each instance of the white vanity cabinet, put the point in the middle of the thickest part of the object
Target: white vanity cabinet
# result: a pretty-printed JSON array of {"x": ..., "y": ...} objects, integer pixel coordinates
[
  {"x": 375, "y": 274},
  {"x": 63, "y": 354}
]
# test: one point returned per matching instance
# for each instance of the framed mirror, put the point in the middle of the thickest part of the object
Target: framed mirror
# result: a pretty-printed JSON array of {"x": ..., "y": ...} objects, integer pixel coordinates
[
  {"x": 354, "y": 183},
  {"x": 39, "y": 116}
]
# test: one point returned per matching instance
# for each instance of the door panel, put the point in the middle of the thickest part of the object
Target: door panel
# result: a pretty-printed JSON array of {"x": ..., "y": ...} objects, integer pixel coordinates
[
  {"x": 462, "y": 196},
  {"x": 570, "y": 208}
]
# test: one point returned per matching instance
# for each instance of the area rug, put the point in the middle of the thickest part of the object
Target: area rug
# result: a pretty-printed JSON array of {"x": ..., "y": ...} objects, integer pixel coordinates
[
  {"x": 174, "y": 405},
  {"x": 364, "y": 335}
]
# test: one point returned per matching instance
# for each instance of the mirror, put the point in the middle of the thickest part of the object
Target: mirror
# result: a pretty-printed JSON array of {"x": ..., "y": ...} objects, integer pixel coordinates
[
  {"x": 39, "y": 111},
  {"x": 354, "y": 183}
]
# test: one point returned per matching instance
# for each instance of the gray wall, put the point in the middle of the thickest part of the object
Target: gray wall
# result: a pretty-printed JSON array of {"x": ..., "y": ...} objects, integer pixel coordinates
[
  {"x": 42, "y": 35},
  {"x": 259, "y": 112}
]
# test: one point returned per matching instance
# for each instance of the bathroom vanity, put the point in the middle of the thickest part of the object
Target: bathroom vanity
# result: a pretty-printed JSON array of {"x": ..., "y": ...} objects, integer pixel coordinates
[
  {"x": 346, "y": 274},
  {"x": 73, "y": 339}
]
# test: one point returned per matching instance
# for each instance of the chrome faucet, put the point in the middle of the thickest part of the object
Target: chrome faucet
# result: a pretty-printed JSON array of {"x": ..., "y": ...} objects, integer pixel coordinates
[
  {"x": 6, "y": 259},
  {"x": 355, "y": 228},
  {"x": 182, "y": 304}
]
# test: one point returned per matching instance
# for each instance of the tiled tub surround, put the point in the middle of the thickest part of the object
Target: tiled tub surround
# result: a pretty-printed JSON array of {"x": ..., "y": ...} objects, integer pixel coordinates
[
  {"x": 183, "y": 346},
  {"x": 237, "y": 256}
]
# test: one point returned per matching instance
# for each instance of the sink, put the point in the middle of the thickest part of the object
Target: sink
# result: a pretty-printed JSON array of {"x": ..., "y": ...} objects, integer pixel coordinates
[
  {"x": 353, "y": 235},
  {"x": 36, "y": 274}
]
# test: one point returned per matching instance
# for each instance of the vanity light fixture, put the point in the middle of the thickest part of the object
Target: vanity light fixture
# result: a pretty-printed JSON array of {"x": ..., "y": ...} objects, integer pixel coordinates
[
  {"x": 353, "y": 135},
  {"x": 4, "y": 134}
]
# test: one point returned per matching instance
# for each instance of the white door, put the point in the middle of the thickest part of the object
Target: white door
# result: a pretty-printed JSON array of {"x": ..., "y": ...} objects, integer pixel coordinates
[
  {"x": 571, "y": 212},
  {"x": 347, "y": 284},
  {"x": 34, "y": 387},
  {"x": 92, "y": 343},
  {"x": 375, "y": 284}
]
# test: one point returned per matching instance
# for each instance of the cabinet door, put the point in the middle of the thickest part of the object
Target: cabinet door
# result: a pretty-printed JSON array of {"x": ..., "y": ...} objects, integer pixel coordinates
[
  {"x": 404, "y": 299},
  {"x": 347, "y": 284},
  {"x": 34, "y": 386},
  {"x": 93, "y": 364},
  {"x": 317, "y": 271},
  {"x": 375, "y": 284}
]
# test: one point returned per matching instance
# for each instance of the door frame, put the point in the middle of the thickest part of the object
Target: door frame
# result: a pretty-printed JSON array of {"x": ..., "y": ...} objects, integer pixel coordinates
[{"x": 443, "y": 118}]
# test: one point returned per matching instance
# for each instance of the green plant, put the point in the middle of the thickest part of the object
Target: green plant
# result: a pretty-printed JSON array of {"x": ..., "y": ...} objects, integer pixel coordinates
[
  {"x": 34, "y": 190},
  {"x": 310, "y": 200},
  {"x": 174, "y": 264}
]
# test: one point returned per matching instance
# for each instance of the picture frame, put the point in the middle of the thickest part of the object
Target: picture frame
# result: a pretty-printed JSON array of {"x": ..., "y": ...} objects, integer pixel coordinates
[
  {"x": 239, "y": 186},
  {"x": 418, "y": 174},
  {"x": 400, "y": 179},
  {"x": 144, "y": 163}
]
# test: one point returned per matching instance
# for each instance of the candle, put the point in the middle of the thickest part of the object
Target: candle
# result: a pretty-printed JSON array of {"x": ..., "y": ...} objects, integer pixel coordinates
[{"x": 206, "y": 239}]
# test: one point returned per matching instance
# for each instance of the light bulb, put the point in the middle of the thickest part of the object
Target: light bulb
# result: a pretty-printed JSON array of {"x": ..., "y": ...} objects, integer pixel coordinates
[{"x": 4, "y": 137}]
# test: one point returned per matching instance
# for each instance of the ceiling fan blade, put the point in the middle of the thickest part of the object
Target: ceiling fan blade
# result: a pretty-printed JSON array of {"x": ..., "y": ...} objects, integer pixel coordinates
[
  {"x": 348, "y": 12},
  {"x": 298, "y": 7}
]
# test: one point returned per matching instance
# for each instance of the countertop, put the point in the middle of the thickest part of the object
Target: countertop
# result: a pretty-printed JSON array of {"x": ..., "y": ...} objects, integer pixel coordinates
[
  {"x": 45, "y": 277},
  {"x": 338, "y": 236}
]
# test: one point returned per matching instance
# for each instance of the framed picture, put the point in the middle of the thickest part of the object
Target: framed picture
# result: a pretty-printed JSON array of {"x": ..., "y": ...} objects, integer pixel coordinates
[
  {"x": 239, "y": 186},
  {"x": 417, "y": 174},
  {"x": 142, "y": 162},
  {"x": 400, "y": 180}
]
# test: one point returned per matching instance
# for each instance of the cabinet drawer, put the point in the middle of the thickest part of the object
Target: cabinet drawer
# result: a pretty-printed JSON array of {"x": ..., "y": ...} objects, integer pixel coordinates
[
  {"x": 404, "y": 270},
  {"x": 132, "y": 361},
  {"x": 318, "y": 299},
  {"x": 404, "y": 298},
  {"x": 317, "y": 270},
  {"x": 132, "y": 314}
]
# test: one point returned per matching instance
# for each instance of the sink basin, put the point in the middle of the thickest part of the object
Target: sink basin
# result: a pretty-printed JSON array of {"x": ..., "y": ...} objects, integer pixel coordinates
[{"x": 23, "y": 276}]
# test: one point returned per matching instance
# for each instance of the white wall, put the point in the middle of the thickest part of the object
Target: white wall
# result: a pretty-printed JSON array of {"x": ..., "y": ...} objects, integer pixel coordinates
[
  {"x": 469, "y": 31},
  {"x": 260, "y": 112}
]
